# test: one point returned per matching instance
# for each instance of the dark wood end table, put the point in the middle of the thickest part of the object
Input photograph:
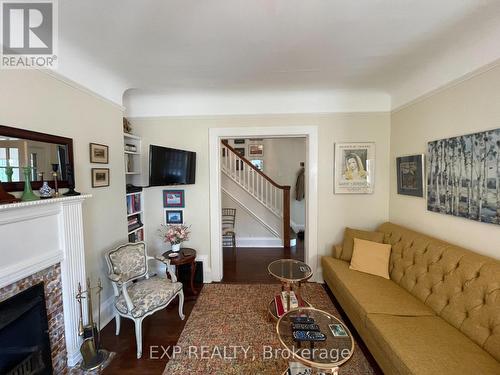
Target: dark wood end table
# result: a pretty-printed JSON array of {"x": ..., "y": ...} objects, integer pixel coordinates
[{"x": 186, "y": 256}]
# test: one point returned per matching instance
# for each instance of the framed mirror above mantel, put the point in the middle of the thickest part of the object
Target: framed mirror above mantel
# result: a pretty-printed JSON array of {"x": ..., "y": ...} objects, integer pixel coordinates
[{"x": 43, "y": 153}]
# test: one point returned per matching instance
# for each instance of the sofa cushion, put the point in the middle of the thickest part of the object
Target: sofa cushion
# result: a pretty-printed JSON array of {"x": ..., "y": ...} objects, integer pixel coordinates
[
  {"x": 372, "y": 294},
  {"x": 349, "y": 236},
  {"x": 461, "y": 286},
  {"x": 429, "y": 345},
  {"x": 371, "y": 257}
]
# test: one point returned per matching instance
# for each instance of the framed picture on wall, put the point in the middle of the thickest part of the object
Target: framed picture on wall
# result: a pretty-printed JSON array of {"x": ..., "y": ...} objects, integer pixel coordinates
[
  {"x": 354, "y": 168},
  {"x": 410, "y": 174},
  {"x": 173, "y": 198},
  {"x": 256, "y": 150},
  {"x": 174, "y": 217},
  {"x": 240, "y": 151},
  {"x": 99, "y": 153},
  {"x": 100, "y": 177}
]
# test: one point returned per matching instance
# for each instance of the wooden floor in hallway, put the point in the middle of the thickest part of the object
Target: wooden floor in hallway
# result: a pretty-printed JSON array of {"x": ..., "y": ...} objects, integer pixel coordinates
[{"x": 249, "y": 264}]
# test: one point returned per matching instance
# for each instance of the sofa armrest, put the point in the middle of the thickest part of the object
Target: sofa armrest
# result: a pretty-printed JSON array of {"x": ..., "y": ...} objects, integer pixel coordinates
[{"x": 336, "y": 251}]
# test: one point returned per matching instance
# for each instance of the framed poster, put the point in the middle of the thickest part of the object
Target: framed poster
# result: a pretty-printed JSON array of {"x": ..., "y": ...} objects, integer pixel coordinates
[
  {"x": 256, "y": 150},
  {"x": 354, "y": 169},
  {"x": 173, "y": 198},
  {"x": 410, "y": 174},
  {"x": 464, "y": 176}
]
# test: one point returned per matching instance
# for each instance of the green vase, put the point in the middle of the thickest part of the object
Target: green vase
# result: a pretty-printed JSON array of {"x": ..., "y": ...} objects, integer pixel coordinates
[
  {"x": 9, "y": 171},
  {"x": 28, "y": 194}
]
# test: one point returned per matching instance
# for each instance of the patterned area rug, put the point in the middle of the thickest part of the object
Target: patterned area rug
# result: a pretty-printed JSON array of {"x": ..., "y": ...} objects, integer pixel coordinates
[{"x": 233, "y": 318}]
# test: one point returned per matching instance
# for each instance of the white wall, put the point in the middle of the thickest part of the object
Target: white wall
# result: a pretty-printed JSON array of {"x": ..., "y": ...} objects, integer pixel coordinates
[
  {"x": 468, "y": 107},
  {"x": 334, "y": 212},
  {"x": 37, "y": 101}
]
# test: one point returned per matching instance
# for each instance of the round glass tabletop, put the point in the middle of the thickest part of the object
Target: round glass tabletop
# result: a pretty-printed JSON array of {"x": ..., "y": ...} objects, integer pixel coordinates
[
  {"x": 290, "y": 270},
  {"x": 336, "y": 348}
]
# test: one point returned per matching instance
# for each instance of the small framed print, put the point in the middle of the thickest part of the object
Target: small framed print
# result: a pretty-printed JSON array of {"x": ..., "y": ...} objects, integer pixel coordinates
[
  {"x": 100, "y": 177},
  {"x": 256, "y": 150},
  {"x": 239, "y": 141},
  {"x": 174, "y": 217},
  {"x": 258, "y": 163},
  {"x": 173, "y": 198},
  {"x": 410, "y": 171},
  {"x": 338, "y": 330},
  {"x": 99, "y": 154}
]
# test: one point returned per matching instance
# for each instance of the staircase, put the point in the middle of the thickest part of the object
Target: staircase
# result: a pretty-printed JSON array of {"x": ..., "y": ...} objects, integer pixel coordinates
[{"x": 262, "y": 197}]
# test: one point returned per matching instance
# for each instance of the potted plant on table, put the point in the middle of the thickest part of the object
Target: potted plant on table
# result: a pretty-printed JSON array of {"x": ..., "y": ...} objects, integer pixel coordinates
[{"x": 175, "y": 235}]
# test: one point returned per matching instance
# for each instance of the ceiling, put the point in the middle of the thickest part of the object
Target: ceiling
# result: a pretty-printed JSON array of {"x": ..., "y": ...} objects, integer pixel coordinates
[{"x": 180, "y": 47}]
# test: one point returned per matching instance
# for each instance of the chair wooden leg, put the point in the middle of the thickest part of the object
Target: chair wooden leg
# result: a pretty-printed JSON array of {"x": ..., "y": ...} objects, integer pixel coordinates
[
  {"x": 138, "y": 337},
  {"x": 117, "y": 323},
  {"x": 181, "y": 305}
]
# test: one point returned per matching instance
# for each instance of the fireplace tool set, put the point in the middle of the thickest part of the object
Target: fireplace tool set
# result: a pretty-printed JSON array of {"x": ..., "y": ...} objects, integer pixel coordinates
[{"x": 94, "y": 357}]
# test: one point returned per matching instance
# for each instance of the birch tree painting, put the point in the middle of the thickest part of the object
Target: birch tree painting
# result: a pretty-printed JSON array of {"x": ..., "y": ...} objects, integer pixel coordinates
[{"x": 464, "y": 176}]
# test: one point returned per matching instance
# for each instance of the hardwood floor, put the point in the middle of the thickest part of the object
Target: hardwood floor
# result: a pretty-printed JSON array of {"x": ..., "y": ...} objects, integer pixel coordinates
[{"x": 249, "y": 265}]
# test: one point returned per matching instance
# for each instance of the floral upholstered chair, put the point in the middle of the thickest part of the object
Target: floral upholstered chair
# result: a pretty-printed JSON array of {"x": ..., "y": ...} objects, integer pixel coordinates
[{"x": 136, "y": 294}]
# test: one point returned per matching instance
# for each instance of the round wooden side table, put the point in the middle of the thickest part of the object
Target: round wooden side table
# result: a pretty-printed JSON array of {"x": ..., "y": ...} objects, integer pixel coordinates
[{"x": 186, "y": 256}]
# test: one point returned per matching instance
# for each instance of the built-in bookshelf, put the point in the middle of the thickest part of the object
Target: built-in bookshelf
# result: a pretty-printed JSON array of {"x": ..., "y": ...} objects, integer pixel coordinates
[
  {"x": 134, "y": 200},
  {"x": 135, "y": 216}
]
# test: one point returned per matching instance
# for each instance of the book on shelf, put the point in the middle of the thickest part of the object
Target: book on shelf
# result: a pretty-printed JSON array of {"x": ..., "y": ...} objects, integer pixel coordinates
[
  {"x": 136, "y": 236},
  {"x": 134, "y": 222},
  {"x": 133, "y": 203}
]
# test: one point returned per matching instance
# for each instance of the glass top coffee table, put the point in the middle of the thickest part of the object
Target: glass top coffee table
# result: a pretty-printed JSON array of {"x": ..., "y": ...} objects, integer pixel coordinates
[
  {"x": 321, "y": 356},
  {"x": 291, "y": 273}
]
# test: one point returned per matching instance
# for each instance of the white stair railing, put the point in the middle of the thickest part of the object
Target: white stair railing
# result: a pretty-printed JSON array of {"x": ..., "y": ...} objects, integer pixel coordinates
[{"x": 273, "y": 196}]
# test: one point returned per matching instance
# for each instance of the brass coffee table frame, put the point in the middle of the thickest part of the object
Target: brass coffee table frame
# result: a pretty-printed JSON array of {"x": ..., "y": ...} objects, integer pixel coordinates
[
  {"x": 318, "y": 368},
  {"x": 288, "y": 284}
]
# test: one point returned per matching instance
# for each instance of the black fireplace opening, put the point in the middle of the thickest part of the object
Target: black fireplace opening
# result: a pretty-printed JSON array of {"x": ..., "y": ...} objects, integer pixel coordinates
[{"x": 24, "y": 334}]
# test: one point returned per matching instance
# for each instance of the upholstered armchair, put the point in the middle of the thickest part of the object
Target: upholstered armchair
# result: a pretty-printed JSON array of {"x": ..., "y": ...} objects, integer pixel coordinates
[{"x": 137, "y": 295}]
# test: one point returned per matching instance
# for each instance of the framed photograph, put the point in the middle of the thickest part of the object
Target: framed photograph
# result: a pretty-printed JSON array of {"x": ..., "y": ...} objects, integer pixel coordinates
[
  {"x": 256, "y": 150},
  {"x": 174, "y": 217},
  {"x": 240, "y": 151},
  {"x": 258, "y": 163},
  {"x": 239, "y": 141},
  {"x": 99, "y": 153},
  {"x": 463, "y": 176},
  {"x": 100, "y": 177},
  {"x": 410, "y": 172},
  {"x": 354, "y": 168},
  {"x": 173, "y": 198}
]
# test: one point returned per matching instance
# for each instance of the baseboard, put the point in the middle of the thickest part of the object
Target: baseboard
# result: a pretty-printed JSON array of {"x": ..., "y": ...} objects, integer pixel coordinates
[
  {"x": 297, "y": 227},
  {"x": 207, "y": 271},
  {"x": 107, "y": 311},
  {"x": 258, "y": 242},
  {"x": 318, "y": 276}
]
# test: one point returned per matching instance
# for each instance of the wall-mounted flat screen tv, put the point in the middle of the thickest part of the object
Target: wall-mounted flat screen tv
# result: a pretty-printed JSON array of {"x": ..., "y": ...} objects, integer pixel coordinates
[{"x": 169, "y": 166}]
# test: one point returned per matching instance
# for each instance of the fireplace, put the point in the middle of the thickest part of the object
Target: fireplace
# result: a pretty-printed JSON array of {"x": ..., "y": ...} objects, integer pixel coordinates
[{"x": 24, "y": 336}]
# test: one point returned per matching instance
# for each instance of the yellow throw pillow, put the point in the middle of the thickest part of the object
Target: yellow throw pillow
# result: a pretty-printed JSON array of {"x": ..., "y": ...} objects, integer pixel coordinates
[
  {"x": 371, "y": 257},
  {"x": 349, "y": 236}
]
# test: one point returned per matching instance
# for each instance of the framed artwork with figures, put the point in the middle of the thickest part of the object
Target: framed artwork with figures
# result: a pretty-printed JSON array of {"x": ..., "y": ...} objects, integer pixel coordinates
[
  {"x": 410, "y": 175},
  {"x": 354, "y": 168}
]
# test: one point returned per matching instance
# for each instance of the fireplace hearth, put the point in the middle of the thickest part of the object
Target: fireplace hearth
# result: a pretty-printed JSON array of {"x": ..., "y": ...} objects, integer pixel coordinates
[{"x": 24, "y": 334}]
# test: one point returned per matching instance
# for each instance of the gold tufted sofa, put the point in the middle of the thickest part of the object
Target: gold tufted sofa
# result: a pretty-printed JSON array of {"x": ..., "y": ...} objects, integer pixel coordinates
[{"x": 438, "y": 314}]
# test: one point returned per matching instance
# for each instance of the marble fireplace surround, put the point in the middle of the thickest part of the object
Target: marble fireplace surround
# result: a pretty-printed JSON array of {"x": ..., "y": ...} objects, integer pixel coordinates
[{"x": 40, "y": 238}]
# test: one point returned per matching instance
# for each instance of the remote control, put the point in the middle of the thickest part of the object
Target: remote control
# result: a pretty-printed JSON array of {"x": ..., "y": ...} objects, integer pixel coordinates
[
  {"x": 305, "y": 327},
  {"x": 302, "y": 320},
  {"x": 308, "y": 336}
]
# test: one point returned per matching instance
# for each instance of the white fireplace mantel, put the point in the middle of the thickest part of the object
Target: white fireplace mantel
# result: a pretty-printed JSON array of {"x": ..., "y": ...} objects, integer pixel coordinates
[{"x": 38, "y": 234}]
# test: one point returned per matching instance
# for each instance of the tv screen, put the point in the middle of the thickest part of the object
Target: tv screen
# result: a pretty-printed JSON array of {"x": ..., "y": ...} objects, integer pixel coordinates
[{"x": 169, "y": 166}]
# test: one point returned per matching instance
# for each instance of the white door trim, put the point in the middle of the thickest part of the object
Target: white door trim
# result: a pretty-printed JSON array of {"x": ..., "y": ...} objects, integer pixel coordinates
[{"x": 311, "y": 235}]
